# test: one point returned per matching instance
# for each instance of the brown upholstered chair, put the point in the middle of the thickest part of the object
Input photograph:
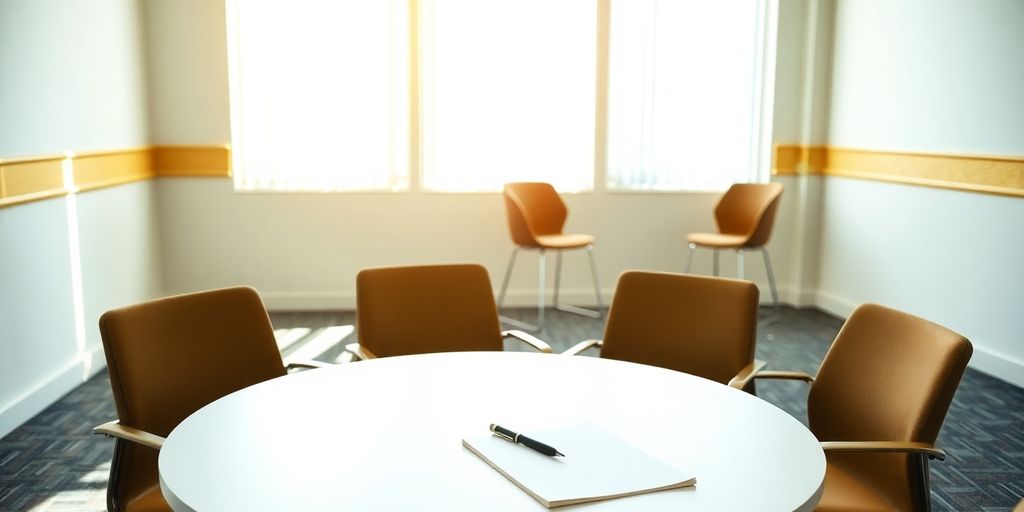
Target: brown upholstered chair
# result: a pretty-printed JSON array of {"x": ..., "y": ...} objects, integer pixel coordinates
[
  {"x": 877, "y": 404},
  {"x": 430, "y": 308},
  {"x": 704, "y": 326},
  {"x": 166, "y": 359},
  {"x": 745, "y": 216},
  {"x": 536, "y": 215}
]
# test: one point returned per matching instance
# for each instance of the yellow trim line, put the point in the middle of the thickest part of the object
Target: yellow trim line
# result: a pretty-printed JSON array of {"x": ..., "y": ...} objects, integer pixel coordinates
[
  {"x": 1002, "y": 175},
  {"x": 29, "y": 179}
]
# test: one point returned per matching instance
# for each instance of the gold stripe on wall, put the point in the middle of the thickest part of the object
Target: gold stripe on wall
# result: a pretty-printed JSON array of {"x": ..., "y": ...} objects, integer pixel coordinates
[
  {"x": 1002, "y": 175},
  {"x": 108, "y": 168},
  {"x": 192, "y": 161},
  {"x": 794, "y": 159},
  {"x": 988, "y": 174},
  {"x": 31, "y": 179}
]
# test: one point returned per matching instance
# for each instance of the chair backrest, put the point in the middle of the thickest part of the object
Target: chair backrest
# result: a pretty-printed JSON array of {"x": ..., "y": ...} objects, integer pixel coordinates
[
  {"x": 889, "y": 376},
  {"x": 169, "y": 357},
  {"x": 429, "y": 308},
  {"x": 703, "y": 326},
  {"x": 533, "y": 209},
  {"x": 748, "y": 209}
]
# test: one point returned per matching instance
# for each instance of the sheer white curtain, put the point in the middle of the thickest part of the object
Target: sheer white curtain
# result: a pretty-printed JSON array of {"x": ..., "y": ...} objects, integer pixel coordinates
[
  {"x": 319, "y": 94},
  {"x": 507, "y": 93},
  {"x": 684, "y": 85}
]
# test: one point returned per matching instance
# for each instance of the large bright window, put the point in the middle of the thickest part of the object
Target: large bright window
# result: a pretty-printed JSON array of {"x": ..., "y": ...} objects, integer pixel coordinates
[
  {"x": 465, "y": 95},
  {"x": 684, "y": 94},
  {"x": 508, "y": 93},
  {"x": 319, "y": 94}
]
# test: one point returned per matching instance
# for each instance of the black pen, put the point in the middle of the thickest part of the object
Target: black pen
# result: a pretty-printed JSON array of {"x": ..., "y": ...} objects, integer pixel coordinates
[{"x": 532, "y": 444}]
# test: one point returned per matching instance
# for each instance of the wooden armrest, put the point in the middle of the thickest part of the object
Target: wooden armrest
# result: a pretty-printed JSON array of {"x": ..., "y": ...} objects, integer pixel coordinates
[
  {"x": 784, "y": 375},
  {"x": 529, "y": 339},
  {"x": 747, "y": 374},
  {"x": 307, "y": 363},
  {"x": 581, "y": 346},
  {"x": 116, "y": 429},
  {"x": 884, "y": 446},
  {"x": 360, "y": 352}
]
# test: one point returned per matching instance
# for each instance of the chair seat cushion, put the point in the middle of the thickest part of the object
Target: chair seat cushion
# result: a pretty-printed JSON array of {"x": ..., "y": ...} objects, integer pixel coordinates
[
  {"x": 716, "y": 240},
  {"x": 844, "y": 493},
  {"x": 150, "y": 501},
  {"x": 565, "y": 241}
]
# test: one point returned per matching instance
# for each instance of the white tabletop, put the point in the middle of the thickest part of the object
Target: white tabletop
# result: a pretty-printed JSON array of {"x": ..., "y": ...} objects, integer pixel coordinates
[{"x": 387, "y": 435}]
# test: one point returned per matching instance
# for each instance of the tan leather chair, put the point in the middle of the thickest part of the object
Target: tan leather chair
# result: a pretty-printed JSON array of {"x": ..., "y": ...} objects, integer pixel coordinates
[
  {"x": 877, "y": 404},
  {"x": 430, "y": 308},
  {"x": 536, "y": 216},
  {"x": 745, "y": 216},
  {"x": 1019, "y": 507},
  {"x": 704, "y": 326},
  {"x": 166, "y": 359}
]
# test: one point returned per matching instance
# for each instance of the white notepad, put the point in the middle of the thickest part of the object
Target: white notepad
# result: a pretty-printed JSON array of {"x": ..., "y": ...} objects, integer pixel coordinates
[{"x": 597, "y": 466}]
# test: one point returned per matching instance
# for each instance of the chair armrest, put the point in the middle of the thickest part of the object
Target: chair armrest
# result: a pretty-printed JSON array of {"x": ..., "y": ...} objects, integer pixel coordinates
[
  {"x": 884, "y": 446},
  {"x": 359, "y": 352},
  {"x": 529, "y": 339},
  {"x": 784, "y": 375},
  {"x": 116, "y": 429},
  {"x": 747, "y": 374},
  {"x": 307, "y": 363},
  {"x": 581, "y": 346}
]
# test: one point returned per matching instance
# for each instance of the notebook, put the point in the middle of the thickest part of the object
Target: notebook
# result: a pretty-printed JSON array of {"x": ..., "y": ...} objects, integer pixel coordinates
[{"x": 597, "y": 466}]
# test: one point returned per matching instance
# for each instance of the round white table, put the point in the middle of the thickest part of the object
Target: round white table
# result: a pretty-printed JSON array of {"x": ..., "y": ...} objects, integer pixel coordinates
[{"x": 387, "y": 434}]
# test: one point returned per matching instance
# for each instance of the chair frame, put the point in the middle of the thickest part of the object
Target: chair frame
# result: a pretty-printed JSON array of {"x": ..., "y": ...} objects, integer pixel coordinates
[
  {"x": 924, "y": 451},
  {"x": 542, "y": 287},
  {"x": 740, "y": 266}
]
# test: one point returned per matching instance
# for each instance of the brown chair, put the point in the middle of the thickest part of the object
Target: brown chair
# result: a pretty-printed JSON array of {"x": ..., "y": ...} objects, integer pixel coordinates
[
  {"x": 704, "y": 326},
  {"x": 877, "y": 404},
  {"x": 536, "y": 216},
  {"x": 166, "y": 359},
  {"x": 745, "y": 216},
  {"x": 430, "y": 308}
]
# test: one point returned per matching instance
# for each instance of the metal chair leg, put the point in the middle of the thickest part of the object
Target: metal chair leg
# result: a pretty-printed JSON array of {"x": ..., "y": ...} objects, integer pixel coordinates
[
  {"x": 568, "y": 308},
  {"x": 771, "y": 278},
  {"x": 508, "y": 274},
  {"x": 739, "y": 264},
  {"x": 689, "y": 258},
  {"x": 541, "y": 282},
  {"x": 715, "y": 268},
  {"x": 597, "y": 287},
  {"x": 558, "y": 275},
  {"x": 501, "y": 297}
]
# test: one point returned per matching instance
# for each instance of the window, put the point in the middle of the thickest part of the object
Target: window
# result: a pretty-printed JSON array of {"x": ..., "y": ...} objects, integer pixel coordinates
[
  {"x": 508, "y": 93},
  {"x": 683, "y": 107},
  {"x": 465, "y": 95},
  {"x": 319, "y": 94}
]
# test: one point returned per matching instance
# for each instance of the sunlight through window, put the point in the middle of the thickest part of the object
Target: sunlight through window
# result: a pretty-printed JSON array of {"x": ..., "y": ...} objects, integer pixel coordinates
[
  {"x": 319, "y": 94},
  {"x": 684, "y": 94},
  {"x": 508, "y": 92}
]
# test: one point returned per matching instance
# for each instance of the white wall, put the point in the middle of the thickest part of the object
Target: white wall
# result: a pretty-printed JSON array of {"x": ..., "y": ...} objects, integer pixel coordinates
[
  {"x": 74, "y": 79},
  {"x": 942, "y": 77},
  {"x": 303, "y": 250}
]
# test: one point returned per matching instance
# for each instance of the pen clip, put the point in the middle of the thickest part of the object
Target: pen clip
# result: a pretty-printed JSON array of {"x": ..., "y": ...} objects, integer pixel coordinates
[{"x": 494, "y": 430}]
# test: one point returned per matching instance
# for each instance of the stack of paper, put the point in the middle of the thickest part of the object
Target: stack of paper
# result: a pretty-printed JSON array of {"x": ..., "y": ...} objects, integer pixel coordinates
[{"x": 597, "y": 466}]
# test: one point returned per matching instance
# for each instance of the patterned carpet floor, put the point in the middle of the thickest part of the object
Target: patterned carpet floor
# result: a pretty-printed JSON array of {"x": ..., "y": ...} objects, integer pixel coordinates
[{"x": 54, "y": 463}]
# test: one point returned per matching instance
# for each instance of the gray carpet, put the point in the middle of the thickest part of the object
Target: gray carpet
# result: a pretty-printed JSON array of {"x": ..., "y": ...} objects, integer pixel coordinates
[{"x": 53, "y": 463}]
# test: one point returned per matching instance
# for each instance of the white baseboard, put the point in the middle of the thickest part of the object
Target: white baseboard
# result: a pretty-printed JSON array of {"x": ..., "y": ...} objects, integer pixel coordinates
[
  {"x": 522, "y": 298},
  {"x": 998, "y": 365},
  {"x": 50, "y": 389},
  {"x": 834, "y": 304},
  {"x": 309, "y": 301},
  {"x": 985, "y": 360}
]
